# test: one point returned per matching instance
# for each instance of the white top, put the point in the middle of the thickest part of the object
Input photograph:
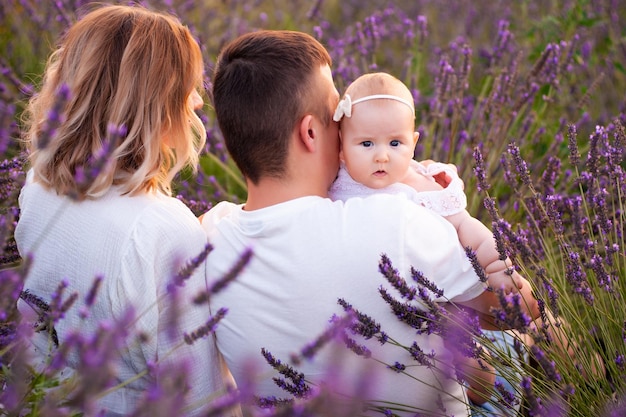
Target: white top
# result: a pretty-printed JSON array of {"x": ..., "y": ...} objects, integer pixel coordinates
[
  {"x": 137, "y": 244},
  {"x": 309, "y": 252},
  {"x": 446, "y": 202}
]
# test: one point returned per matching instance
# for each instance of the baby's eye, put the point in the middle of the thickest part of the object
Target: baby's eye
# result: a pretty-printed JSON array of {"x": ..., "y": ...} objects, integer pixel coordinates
[
  {"x": 394, "y": 143},
  {"x": 367, "y": 143}
]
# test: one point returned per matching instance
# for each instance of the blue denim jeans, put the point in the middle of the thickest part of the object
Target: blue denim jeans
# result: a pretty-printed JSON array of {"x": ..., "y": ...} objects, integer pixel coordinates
[{"x": 504, "y": 342}]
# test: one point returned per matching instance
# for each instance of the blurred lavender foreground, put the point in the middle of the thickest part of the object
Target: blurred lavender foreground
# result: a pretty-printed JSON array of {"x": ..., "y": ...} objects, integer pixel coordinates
[{"x": 527, "y": 98}]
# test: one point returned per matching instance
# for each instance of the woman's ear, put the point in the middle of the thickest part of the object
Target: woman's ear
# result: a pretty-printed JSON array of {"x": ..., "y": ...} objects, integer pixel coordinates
[{"x": 306, "y": 132}]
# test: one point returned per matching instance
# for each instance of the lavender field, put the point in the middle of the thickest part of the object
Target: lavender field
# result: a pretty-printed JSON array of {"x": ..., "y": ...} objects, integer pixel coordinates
[{"x": 527, "y": 98}]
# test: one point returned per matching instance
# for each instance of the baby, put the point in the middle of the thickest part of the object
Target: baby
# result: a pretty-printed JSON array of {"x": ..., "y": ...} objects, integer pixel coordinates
[
  {"x": 378, "y": 138},
  {"x": 377, "y": 148}
]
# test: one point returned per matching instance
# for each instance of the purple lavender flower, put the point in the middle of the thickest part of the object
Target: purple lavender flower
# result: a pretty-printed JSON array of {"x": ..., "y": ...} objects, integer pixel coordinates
[
  {"x": 11, "y": 284},
  {"x": 502, "y": 42},
  {"x": 500, "y": 246},
  {"x": 518, "y": 241},
  {"x": 519, "y": 164},
  {"x": 510, "y": 314},
  {"x": 207, "y": 328},
  {"x": 422, "y": 25},
  {"x": 90, "y": 298},
  {"x": 620, "y": 361},
  {"x": 364, "y": 324},
  {"x": 550, "y": 176},
  {"x": 273, "y": 402},
  {"x": 602, "y": 218},
  {"x": 397, "y": 367},
  {"x": 538, "y": 68},
  {"x": 408, "y": 314},
  {"x": 392, "y": 275},
  {"x": 54, "y": 118},
  {"x": 165, "y": 396},
  {"x": 548, "y": 366},
  {"x": 223, "y": 282},
  {"x": 616, "y": 150},
  {"x": 333, "y": 332},
  {"x": 314, "y": 11},
  {"x": 475, "y": 264},
  {"x": 15, "y": 371},
  {"x": 507, "y": 398},
  {"x": 576, "y": 275},
  {"x": 97, "y": 355},
  {"x": 298, "y": 386},
  {"x": 188, "y": 269},
  {"x": 357, "y": 348},
  {"x": 490, "y": 205},
  {"x": 603, "y": 279},
  {"x": 425, "y": 359},
  {"x": 552, "y": 294},
  {"x": 594, "y": 152},
  {"x": 58, "y": 306},
  {"x": 553, "y": 213},
  {"x": 480, "y": 171},
  {"x": 226, "y": 404},
  {"x": 425, "y": 319},
  {"x": 574, "y": 155},
  {"x": 85, "y": 175},
  {"x": 421, "y": 280},
  {"x": 535, "y": 404}
]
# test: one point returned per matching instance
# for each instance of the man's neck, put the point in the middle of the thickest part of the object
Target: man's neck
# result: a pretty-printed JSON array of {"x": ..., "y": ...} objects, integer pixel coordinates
[{"x": 271, "y": 191}]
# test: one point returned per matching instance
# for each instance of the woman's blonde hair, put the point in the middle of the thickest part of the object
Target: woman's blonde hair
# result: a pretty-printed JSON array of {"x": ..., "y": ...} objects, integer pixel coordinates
[{"x": 127, "y": 67}]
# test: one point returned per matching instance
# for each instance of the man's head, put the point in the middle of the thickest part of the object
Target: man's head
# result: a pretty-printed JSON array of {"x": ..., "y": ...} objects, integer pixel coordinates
[{"x": 265, "y": 82}]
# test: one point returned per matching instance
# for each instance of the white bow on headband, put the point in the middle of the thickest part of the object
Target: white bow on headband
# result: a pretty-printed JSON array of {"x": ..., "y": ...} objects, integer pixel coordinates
[{"x": 344, "y": 108}]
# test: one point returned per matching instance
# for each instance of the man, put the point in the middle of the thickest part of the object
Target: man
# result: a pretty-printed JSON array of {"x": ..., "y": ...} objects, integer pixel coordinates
[{"x": 274, "y": 98}]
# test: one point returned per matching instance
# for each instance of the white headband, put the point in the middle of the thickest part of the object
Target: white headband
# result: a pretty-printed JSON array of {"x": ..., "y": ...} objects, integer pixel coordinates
[{"x": 344, "y": 108}]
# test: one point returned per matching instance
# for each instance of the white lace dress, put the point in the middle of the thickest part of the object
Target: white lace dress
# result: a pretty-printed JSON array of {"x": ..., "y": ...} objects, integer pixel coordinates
[{"x": 446, "y": 202}]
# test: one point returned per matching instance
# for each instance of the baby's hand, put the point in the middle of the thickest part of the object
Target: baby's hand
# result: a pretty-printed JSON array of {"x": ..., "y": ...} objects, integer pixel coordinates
[
  {"x": 442, "y": 178},
  {"x": 419, "y": 182},
  {"x": 507, "y": 279}
]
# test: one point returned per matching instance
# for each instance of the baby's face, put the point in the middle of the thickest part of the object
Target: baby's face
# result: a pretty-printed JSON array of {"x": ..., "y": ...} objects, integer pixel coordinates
[{"x": 377, "y": 142}]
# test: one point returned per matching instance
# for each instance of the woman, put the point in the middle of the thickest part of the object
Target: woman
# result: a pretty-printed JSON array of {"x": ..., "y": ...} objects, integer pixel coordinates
[{"x": 97, "y": 201}]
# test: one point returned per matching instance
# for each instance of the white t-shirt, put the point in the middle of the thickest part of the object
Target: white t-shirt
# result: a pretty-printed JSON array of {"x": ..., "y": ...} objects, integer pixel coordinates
[
  {"x": 309, "y": 252},
  {"x": 136, "y": 244}
]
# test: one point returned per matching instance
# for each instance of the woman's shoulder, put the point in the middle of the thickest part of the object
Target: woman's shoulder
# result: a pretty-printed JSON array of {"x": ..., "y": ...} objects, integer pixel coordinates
[
  {"x": 166, "y": 213},
  {"x": 165, "y": 229}
]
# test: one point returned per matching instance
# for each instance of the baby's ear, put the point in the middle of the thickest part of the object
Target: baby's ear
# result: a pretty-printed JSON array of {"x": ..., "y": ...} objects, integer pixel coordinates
[{"x": 416, "y": 136}]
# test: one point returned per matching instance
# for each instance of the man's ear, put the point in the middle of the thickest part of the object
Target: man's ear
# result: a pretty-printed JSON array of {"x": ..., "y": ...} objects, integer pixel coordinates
[{"x": 307, "y": 133}]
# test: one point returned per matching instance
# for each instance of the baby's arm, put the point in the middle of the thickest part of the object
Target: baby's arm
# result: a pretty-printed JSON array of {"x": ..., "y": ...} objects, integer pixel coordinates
[
  {"x": 473, "y": 233},
  {"x": 480, "y": 375}
]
